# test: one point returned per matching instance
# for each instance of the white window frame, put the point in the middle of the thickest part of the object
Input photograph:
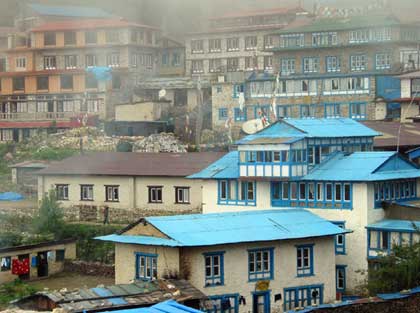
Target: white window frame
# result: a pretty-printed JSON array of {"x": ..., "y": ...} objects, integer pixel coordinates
[{"x": 182, "y": 195}]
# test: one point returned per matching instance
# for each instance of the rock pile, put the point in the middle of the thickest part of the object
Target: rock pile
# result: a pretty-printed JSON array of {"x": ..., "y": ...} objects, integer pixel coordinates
[{"x": 163, "y": 142}]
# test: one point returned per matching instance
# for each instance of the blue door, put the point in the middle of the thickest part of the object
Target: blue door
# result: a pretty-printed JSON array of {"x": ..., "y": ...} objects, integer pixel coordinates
[{"x": 261, "y": 302}]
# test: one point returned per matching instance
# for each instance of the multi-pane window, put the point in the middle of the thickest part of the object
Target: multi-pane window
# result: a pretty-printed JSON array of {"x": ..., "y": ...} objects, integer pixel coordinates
[
  {"x": 232, "y": 44},
  {"x": 359, "y": 36},
  {"x": 224, "y": 304},
  {"x": 91, "y": 60},
  {"x": 182, "y": 194},
  {"x": 155, "y": 194},
  {"x": 292, "y": 40},
  {"x": 62, "y": 192},
  {"x": 358, "y": 110},
  {"x": 232, "y": 64},
  {"x": 311, "y": 65},
  {"x": 380, "y": 34},
  {"x": 236, "y": 192},
  {"x": 215, "y": 65},
  {"x": 50, "y": 63},
  {"x": 69, "y": 38},
  {"x": 223, "y": 113},
  {"x": 70, "y": 61},
  {"x": 214, "y": 275},
  {"x": 401, "y": 190},
  {"x": 358, "y": 62},
  {"x": 268, "y": 42},
  {"x": 91, "y": 82},
  {"x": 113, "y": 59},
  {"x": 340, "y": 240},
  {"x": 287, "y": 66},
  {"x": 340, "y": 276},
  {"x": 239, "y": 115},
  {"x": 346, "y": 85},
  {"x": 197, "y": 66},
  {"x": 383, "y": 61},
  {"x": 303, "y": 296},
  {"x": 86, "y": 192},
  {"x": 146, "y": 266},
  {"x": 305, "y": 266},
  {"x": 251, "y": 63},
  {"x": 66, "y": 81},
  {"x": 149, "y": 37},
  {"x": 332, "y": 110},
  {"x": 332, "y": 64},
  {"x": 18, "y": 83},
  {"x": 307, "y": 111},
  {"x": 91, "y": 37},
  {"x": 197, "y": 46},
  {"x": 215, "y": 45},
  {"x": 49, "y": 39},
  {"x": 251, "y": 43},
  {"x": 324, "y": 39},
  {"x": 42, "y": 83},
  {"x": 260, "y": 264},
  {"x": 3, "y": 66},
  {"x": 60, "y": 255},
  {"x": 20, "y": 63},
  {"x": 112, "y": 193},
  {"x": 268, "y": 62},
  {"x": 112, "y": 36}
]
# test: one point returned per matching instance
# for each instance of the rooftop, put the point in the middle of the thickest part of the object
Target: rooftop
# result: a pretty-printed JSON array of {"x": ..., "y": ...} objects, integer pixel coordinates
[
  {"x": 226, "y": 167},
  {"x": 248, "y": 13},
  {"x": 395, "y": 225},
  {"x": 169, "y": 306},
  {"x": 231, "y": 228},
  {"x": 68, "y": 11},
  {"x": 311, "y": 128},
  {"x": 133, "y": 164}
]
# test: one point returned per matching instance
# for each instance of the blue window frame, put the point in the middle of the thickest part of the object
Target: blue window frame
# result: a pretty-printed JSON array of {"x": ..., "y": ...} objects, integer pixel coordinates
[
  {"x": 332, "y": 110},
  {"x": 307, "y": 110},
  {"x": 358, "y": 62},
  {"x": 214, "y": 268},
  {"x": 303, "y": 296},
  {"x": 262, "y": 110},
  {"x": 358, "y": 110},
  {"x": 146, "y": 266},
  {"x": 261, "y": 301},
  {"x": 332, "y": 64},
  {"x": 223, "y": 113},
  {"x": 310, "y": 65},
  {"x": 234, "y": 192},
  {"x": 383, "y": 61},
  {"x": 397, "y": 190},
  {"x": 239, "y": 115},
  {"x": 340, "y": 240},
  {"x": 340, "y": 278},
  {"x": 260, "y": 264},
  {"x": 227, "y": 303},
  {"x": 305, "y": 260},
  {"x": 237, "y": 89},
  {"x": 284, "y": 111}
]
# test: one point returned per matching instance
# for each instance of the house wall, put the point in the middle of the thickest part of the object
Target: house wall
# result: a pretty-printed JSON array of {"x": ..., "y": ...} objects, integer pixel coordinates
[{"x": 143, "y": 111}]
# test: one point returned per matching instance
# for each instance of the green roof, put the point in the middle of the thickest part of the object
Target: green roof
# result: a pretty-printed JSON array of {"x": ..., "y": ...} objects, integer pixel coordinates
[{"x": 354, "y": 22}]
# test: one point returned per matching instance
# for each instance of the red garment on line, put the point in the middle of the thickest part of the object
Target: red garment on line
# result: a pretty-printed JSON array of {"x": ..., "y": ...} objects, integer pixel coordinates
[{"x": 20, "y": 267}]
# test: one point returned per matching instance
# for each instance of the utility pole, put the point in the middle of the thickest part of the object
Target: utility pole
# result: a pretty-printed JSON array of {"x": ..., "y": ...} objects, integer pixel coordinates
[{"x": 199, "y": 119}]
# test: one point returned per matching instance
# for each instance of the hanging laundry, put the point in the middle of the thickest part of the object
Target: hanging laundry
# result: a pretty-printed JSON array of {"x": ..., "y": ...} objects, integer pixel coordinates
[
  {"x": 50, "y": 255},
  {"x": 20, "y": 267},
  {"x": 5, "y": 264}
]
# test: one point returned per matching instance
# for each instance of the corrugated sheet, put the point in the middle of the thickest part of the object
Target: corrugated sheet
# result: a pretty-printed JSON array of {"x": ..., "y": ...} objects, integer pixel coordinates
[
  {"x": 397, "y": 225},
  {"x": 236, "y": 227},
  {"x": 69, "y": 11},
  {"x": 409, "y": 133},
  {"x": 169, "y": 306},
  {"x": 363, "y": 166},
  {"x": 146, "y": 240},
  {"x": 224, "y": 168}
]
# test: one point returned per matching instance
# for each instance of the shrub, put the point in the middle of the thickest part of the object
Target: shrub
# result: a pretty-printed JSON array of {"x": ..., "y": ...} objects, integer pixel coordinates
[
  {"x": 15, "y": 290},
  {"x": 49, "y": 219}
]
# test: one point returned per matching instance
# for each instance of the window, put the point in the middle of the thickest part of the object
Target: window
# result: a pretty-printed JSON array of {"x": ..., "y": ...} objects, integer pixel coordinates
[
  {"x": 287, "y": 66},
  {"x": 251, "y": 63},
  {"x": 182, "y": 194},
  {"x": 383, "y": 61},
  {"x": 333, "y": 64},
  {"x": 239, "y": 115},
  {"x": 214, "y": 273},
  {"x": 223, "y": 190},
  {"x": 223, "y": 113},
  {"x": 232, "y": 64},
  {"x": 197, "y": 66},
  {"x": 340, "y": 240},
  {"x": 90, "y": 81},
  {"x": 42, "y": 83},
  {"x": 311, "y": 191},
  {"x": 310, "y": 65},
  {"x": 328, "y": 192},
  {"x": 359, "y": 36},
  {"x": 146, "y": 266},
  {"x": 91, "y": 37},
  {"x": 307, "y": 111},
  {"x": 268, "y": 62},
  {"x": 228, "y": 303},
  {"x": 215, "y": 65},
  {"x": 66, "y": 81},
  {"x": 86, "y": 192},
  {"x": 5, "y": 263},
  {"x": 283, "y": 111},
  {"x": 3, "y": 63},
  {"x": 340, "y": 277},
  {"x": 346, "y": 85},
  {"x": 197, "y": 46},
  {"x": 324, "y": 39},
  {"x": 70, "y": 61},
  {"x": 112, "y": 36},
  {"x": 69, "y": 38},
  {"x": 112, "y": 193},
  {"x": 91, "y": 60},
  {"x": 116, "y": 81},
  {"x": 113, "y": 59},
  {"x": 215, "y": 45},
  {"x": 234, "y": 192},
  {"x": 302, "y": 191},
  {"x": 165, "y": 59},
  {"x": 332, "y": 110},
  {"x": 337, "y": 192},
  {"x": 20, "y": 63},
  {"x": 18, "y": 83},
  {"x": 305, "y": 266},
  {"x": 50, "y": 63},
  {"x": 358, "y": 62},
  {"x": 176, "y": 59},
  {"x": 347, "y": 192},
  {"x": 60, "y": 255},
  {"x": 49, "y": 39},
  {"x": 260, "y": 264},
  {"x": 268, "y": 42},
  {"x": 358, "y": 111},
  {"x": 232, "y": 44},
  {"x": 62, "y": 192},
  {"x": 149, "y": 37},
  {"x": 292, "y": 40},
  {"x": 155, "y": 194},
  {"x": 251, "y": 43}
]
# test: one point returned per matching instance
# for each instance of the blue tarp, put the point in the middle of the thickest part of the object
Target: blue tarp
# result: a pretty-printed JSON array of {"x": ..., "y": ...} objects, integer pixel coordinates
[
  {"x": 11, "y": 196},
  {"x": 169, "y": 306},
  {"x": 101, "y": 72}
]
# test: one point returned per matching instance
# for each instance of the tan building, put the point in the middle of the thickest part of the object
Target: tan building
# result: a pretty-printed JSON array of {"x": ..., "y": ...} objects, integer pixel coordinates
[
  {"x": 35, "y": 261},
  {"x": 127, "y": 183},
  {"x": 262, "y": 260}
]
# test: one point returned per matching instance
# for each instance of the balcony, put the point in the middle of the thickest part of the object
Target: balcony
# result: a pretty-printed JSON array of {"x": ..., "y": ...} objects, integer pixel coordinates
[{"x": 26, "y": 116}]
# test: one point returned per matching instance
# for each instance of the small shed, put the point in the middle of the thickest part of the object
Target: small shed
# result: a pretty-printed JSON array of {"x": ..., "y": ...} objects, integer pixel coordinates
[{"x": 24, "y": 174}]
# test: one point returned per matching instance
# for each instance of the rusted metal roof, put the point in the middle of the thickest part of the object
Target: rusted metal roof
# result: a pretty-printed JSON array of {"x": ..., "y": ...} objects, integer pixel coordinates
[{"x": 133, "y": 164}]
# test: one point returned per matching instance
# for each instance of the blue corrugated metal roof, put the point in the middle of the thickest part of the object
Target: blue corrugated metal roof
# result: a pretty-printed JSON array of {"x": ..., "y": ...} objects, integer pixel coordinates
[
  {"x": 396, "y": 225},
  {"x": 147, "y": 240},
  {"x": 235, "y": 227},
  {"x": 364, "y": 166},
  {"x": 103, "y": 292},
  {"x": 313, "y": 128},
  {"x": 169, "y": 306},
  {"x": 70, "y": 11},
  {"x": 224, "y": 168}
]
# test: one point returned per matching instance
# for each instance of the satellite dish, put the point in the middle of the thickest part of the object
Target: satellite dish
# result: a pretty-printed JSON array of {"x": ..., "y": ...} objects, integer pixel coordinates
[
  {"x": 252, "y": 126},
  {"x": 162, "y": 93}
]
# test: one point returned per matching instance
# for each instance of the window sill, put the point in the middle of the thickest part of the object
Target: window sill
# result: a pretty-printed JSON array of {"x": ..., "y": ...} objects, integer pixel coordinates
[
  {"x": 62, "y": 199},
  {"x": 183, "y": 203},
  {"x": 213, "y": 285},
  {"x": 112, "y": 201},
  {"x": 304, "y": 275},
  {"x": 87, "y": 200},
  {"x": 253, "y": 280},
  {"x": 160, "y": 202}
]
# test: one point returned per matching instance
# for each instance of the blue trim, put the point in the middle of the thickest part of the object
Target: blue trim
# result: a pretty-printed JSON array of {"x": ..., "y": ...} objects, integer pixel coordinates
[
  {"x": 328, "y": 68},
  {"x": 221, "y": 297},
  {"x": 261, "y": 274},
  {"x": 303, "y": 270},
  {"x": 336, "y": 110},
  {"x": 340, "y": 249},
  {"x": 385, "y": 67},
  {"x": 290, "y": 302},
  {"x": 235, "y": 198},
  {"x": 150, "y": 258},
  {"x": 395, "y": 190},
  {"x": 342, "y": 268},
  {"x": 239, "y": 115},
  {"x": 238, "y": 88},
  {"x": 363, "y": 110},
  {"x": 223, "y": 114},
  {"x": 214, "y": 280},
  {"x": 267, "y": 302}
]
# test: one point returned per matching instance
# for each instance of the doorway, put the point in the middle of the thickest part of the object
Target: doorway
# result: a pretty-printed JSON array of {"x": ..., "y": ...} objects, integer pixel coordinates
[
  {"x": 261, "y": 302},
  {"x": 42, "y": 264}
]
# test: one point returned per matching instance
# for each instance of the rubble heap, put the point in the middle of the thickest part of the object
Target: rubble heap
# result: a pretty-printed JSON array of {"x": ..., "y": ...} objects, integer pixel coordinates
[{"x": 163, "y": 142}]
